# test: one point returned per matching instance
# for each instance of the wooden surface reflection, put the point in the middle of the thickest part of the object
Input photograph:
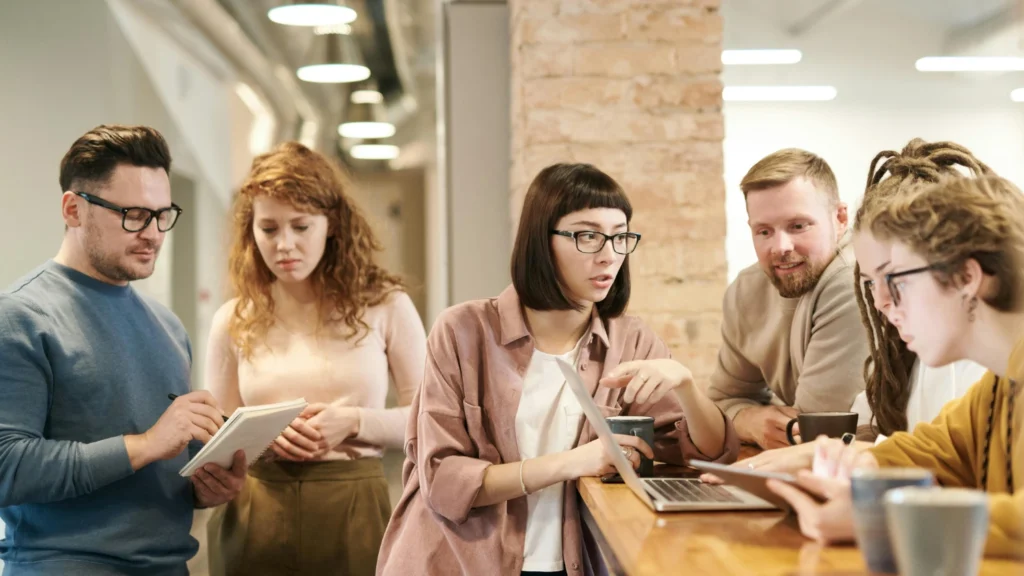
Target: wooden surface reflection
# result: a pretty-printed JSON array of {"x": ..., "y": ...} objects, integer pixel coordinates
[{"x": 637, "y": 541}]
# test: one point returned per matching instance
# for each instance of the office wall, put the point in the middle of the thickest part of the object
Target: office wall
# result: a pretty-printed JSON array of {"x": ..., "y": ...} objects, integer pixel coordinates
[{"x": 475, "y": 120}]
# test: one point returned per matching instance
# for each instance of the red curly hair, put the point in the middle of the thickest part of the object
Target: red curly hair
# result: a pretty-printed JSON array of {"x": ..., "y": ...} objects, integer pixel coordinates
[{"x": 347, "y": 280}]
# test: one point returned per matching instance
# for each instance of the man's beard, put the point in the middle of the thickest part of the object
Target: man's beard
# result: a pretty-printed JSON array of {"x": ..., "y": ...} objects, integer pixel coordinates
[
  {"x": 797, "y": 284},
  {"x": 108, "y": 264}
]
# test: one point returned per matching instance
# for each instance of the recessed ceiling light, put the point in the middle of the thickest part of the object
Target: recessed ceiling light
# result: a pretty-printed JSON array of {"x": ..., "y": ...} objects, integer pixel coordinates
[
  {"x": 312, "y": 14},
  {"x": 374, "y": 151},
  {"x": 333, "y": 73},
  {"x": 366, "y": 97},
  {"x": 366, "y": 130}
]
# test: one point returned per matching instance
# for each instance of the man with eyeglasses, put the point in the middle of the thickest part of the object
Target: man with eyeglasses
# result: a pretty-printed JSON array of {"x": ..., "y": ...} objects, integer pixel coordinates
[
  {"x": 792, "y": 339},
  {"x": 90, "y": 443}
]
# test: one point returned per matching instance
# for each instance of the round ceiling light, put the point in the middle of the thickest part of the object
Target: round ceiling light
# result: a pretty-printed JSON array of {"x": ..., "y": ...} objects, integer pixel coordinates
[
  {"x": 365, "y": 130},
  {"x": 374, "y": 151},
  {"x": 333, "y": 73},
  {"x": 312, "y": 14},
  {"x": 366, "y": 97}
]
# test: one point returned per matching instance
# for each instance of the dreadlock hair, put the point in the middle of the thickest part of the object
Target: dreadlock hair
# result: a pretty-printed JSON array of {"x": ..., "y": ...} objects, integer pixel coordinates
[{"x": 887, "y": 369}]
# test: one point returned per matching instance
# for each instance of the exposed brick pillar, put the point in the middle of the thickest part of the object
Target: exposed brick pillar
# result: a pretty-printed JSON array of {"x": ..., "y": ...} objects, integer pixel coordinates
[{"x": 632, "y": 86}]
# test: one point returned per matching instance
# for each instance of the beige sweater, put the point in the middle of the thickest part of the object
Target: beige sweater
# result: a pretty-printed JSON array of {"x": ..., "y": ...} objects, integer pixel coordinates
[
  {"x": 805, "y": 352},
  {"x": 329, "y": 370}
]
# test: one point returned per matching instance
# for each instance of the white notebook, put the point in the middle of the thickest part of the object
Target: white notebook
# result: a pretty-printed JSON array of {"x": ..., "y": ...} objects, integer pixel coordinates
[{"x": 250, "y": 428}]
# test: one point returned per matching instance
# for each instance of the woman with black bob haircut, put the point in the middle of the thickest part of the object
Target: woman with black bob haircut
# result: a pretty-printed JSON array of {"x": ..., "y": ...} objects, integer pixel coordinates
[{"x": 496, "y": 439}]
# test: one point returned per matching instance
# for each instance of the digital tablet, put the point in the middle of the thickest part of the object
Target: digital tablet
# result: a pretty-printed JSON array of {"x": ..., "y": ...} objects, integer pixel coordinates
[{"x": 754, "y": 481}]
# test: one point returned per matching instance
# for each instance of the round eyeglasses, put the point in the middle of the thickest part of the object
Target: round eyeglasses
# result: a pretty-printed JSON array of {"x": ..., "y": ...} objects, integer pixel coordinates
[
  {"x": 592, "y": 241},
  {"x": 136, "y": 218}
]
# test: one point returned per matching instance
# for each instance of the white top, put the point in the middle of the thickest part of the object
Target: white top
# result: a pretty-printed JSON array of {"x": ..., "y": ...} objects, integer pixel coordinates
[
  {"x": 931, "y": 389},
  {"x": 547, "y": 422}
]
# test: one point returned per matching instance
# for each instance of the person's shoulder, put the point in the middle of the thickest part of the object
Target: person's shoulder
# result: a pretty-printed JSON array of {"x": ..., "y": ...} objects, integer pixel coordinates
[
  {"x": 748, "y": 298},
  {"x": 840, "y": 270},
  {"x": 223, "y": 315},
  {"x": 19, "y": 311},
  {"x": 26, "y": 299},
  {"x": 750, "y": 282},
  {"x": 34, "y": 288},
  {"x": 629, "y": 326},
  {"x": 396, "y": 302},
  {"x": 470, "y": 313}
]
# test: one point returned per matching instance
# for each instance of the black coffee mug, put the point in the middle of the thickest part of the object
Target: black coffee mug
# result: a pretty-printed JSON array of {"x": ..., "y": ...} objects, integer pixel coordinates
[
  {"x": 640, "y": 426},
  {"x": 814, "y": 424}
]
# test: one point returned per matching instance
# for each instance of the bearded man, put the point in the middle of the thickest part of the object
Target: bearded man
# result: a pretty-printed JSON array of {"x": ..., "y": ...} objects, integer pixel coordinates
[{"x": 791, "y": 333}]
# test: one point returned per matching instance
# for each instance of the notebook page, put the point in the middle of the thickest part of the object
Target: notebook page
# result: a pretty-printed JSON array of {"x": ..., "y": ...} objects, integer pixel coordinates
[{"x": 250, "y": 428}]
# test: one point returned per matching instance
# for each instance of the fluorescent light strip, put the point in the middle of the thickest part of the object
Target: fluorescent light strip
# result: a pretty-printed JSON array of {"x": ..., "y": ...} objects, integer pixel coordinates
[
  {"x": 778, "y": 93},
  {"x": 970, "y": 64},
  {"x": 760, "y": 57}
]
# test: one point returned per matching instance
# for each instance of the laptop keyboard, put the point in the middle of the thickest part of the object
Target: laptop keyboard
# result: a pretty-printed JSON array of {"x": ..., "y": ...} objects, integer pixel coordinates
[{"x": 690, "y": 490}]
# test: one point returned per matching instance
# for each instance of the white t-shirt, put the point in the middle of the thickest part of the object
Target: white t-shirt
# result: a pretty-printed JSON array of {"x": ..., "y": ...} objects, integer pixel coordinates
[
  {"x": 931, "y": 389},
  {"x": 547, "y": 422}
]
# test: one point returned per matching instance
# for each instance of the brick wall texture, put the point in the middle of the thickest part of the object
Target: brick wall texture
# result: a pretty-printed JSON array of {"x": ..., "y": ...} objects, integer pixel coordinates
[{"x": 633, "y": 87}]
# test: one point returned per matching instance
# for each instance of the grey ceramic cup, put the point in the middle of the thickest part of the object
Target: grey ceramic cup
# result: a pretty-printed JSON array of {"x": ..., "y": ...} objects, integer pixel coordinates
[
  {"x": 937, "y": 531},
  {"x": 642, "y": 426},
  {"x": 868, "y": 487}
]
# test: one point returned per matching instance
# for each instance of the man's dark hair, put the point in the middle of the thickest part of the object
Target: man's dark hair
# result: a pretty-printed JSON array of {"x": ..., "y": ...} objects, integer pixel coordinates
[{"x": 96, "y": 154}]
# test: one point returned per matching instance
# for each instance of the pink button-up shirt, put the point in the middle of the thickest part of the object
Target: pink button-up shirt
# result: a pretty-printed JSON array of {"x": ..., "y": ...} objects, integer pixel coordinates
[{"x": 463, "y": 420}]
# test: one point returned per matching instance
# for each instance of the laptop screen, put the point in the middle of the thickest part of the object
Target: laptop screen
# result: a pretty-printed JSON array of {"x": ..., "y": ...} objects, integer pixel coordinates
[{"x": 597, "y": 422}]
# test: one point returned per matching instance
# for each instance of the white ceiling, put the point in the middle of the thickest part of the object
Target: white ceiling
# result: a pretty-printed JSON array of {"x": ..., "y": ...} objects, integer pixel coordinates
[
  {"x": 867, "y": 48},
  {"x": 943, "y": 13}
]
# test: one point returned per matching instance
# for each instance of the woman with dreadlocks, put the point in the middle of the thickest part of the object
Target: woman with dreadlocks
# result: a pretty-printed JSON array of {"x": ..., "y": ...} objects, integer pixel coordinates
[{"x": 955, "y": 281}]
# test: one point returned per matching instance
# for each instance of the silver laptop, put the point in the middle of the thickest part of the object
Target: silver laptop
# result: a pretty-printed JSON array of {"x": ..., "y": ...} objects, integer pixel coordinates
[{"x": 661, "y": 494}]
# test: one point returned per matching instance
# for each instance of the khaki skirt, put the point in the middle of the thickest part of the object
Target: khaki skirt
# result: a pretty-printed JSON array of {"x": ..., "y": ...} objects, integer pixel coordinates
[{"x": 302, "y": 518}]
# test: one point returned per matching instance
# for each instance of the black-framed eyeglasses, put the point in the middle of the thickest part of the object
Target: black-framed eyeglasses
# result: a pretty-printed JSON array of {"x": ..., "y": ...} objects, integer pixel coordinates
[
  {"x": 592, "y": 241},
  {"x": 894, "y": 286},
  {"x": 137, "y": 218}
]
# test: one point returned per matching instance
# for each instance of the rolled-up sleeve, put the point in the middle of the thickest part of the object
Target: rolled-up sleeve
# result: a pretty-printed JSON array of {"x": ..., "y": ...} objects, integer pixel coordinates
[{"x": 451, "y": 470}]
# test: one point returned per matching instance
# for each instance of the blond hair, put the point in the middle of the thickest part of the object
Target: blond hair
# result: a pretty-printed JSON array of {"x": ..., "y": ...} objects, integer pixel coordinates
[
  {"x": 960, "y": 219},
  {"x": 783, "y": 166}
]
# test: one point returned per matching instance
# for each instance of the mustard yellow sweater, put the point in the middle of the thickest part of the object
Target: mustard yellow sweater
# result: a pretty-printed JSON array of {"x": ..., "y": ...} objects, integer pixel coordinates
[{"x": 953, "y": 447}]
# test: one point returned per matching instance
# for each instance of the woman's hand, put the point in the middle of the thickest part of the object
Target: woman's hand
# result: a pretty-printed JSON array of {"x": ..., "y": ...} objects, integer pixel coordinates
[
  {"x": 591, "y": 459},
  {"x": 789, "y": 460},
  {"x": 826, "y": 523},
  {"x": 834, "y": 463},
  {"x": 834, "y": 459},
  {"x": 335, "y": 424},
  {"x": 299, "y": 441},
  {"x": 647, "y": 381}
]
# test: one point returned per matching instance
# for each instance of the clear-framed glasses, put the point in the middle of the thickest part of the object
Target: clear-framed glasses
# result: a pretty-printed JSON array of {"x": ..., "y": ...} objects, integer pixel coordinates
[
  {"x": 592, "y": 241},
  {"x": 137, "y": 218},
  {"x": 895, "y": 286}
]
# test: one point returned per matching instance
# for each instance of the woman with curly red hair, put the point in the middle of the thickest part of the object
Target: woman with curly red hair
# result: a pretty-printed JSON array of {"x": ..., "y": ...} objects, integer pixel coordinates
[{"x": 314, "y": 317}]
